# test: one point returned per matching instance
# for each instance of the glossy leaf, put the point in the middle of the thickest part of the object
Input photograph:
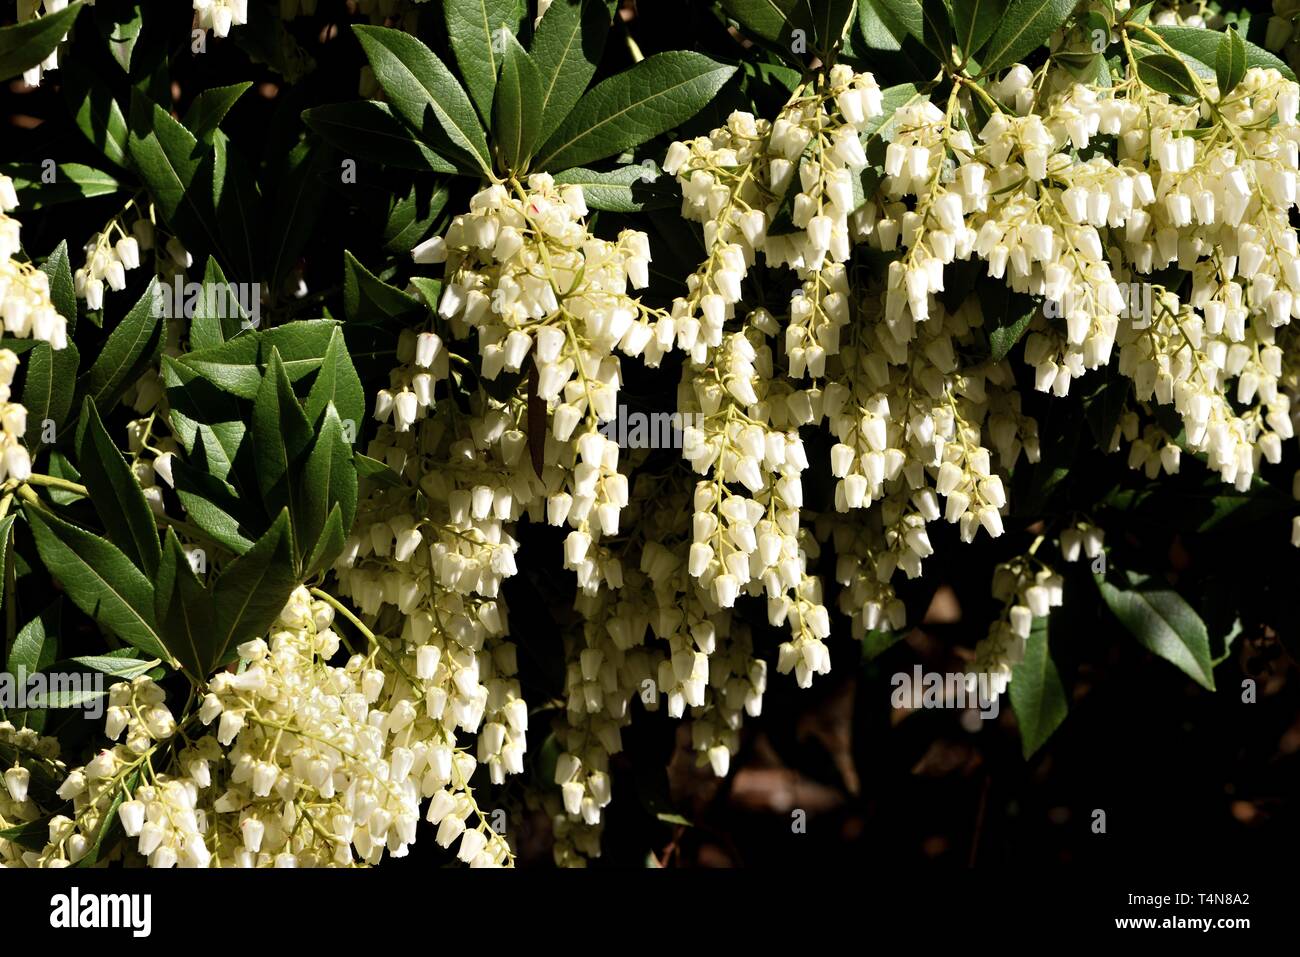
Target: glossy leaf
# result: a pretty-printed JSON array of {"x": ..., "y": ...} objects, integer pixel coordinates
[
  {"x": 116, "y": 493},
  {"x": 629, "y": 108}
]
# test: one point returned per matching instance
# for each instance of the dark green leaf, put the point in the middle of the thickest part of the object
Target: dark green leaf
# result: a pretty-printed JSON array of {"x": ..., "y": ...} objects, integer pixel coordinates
[
  {"x": 253, "y": 589},
  {"x": 376, "y": 471},
  {"x": 302, "y": 345},
  {"x": 1202, "y": 45},
  {"x": 628, "y": 189},
  {"x": 1163, "y": 622},
  {"x": 926, "y": 22},
  {"x": 878, "y": 640},
  {"x": 368, "y": 130},
  {"x": 128, "y": 350},
  {"x": 1230, "y": 62},
  {"x": 215, "y": 318},
  {"x": 480, "y": 32},
  {"x": 210, "y": 505},
  {"x": 517, "y": 111},
  {"x": 281, "y": 435},
  {"x": 337, "y": 382},
  {"x": 25, "y": 45},
  {"x": 629, "y": 108},
  {"x": 1037, "y": 695},
  {"x": 63, "y": 293},
  {"x": 48, "y": 391},
  {"x": 99, "y": 580},
  {"x": 117, "y": 664},
  {"x": 185, "y": 611},
  {"x": 367, "y": 298},
  {"x": 329, "y": 479},
  {"x": 210, "y": 108},
  {"x": 231, "y": 367},
  {"x": 67, "y": 183},
  {"x": 568, "y": 45},
  {"x": 177, "y": 170},
  {"x": 1166, "y": 74},
  {"x": 1025, "y": 27},
  {"x": 974, "y": 22},
  {"x": 120, "y": 22},
  {"x": 36, "y": 646},
  {"x": 329, "y": 544},
  {"x": 116, "y": 493},
  {"x": 1007, "y": 316},
  {"x": 96, "y": 113},
  {"x": 412, "y": 217},
  {"x": 422, "y": 89}
]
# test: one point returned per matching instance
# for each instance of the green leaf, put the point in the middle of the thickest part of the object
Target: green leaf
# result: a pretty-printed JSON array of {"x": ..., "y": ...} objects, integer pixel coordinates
[
  {"x": 1007, "y": 316},
  {"x": 517, "y": 111},
  {"x": 254, "y": 588},
  {"x": 184, "y": 610},
  {"x": 480, "y": 31},
  {"x": 231, "y": 367},
  {"x": 210, "y": 108},
  {"x": 127, "y": 351},
  {"x": 974, "y": 22},
  {"x": 1202, "y": 45},
  {"x": 337, "y": 383},
  {"x": 329, "y": 544},
  {"x": 26, "y": 45},
  {"x": 1166, "y": 74},
  {"x": 376, "y": 471},
  {"x": 117, "y": 664},
  {"x": 831, "y": 19},
  {"x": 1025, "y": 27},
  {"x": 1230, "y": 61},
  {"x": 36, "y": 646},
  {"x": 96, "y": 113},
  {"x": 419, "y": 84},
  {"x": 412, "y": 217},
  {"x": 328, "y": 480},
  {"x": 120, "y": 23},
  {"x": 281, "y": 435},
  {"x": 1037, "y": 695},
  {"x": 110, "y": 825},
  {"x": 629, "y": 108},
  {"x": 302, "y": 345},
  {"x": 116, "y": 493},
  {"x": 1164, "y": 623},
  {"x": 213, "y": 318},
  {"x": 367, "y": 130},
  {"x": 6, "y": 541},
  {"x": 176, "y": 170},
  {"x": 367, "y": 298},
  {"x": 34, "y": 835},
  {"x": 209, "y": 504},
  {"x": 568, "y": 45},
  {"x": 63, "y": 294},
  {"x": 628, "y": 189},
  {"x": 99, "y": 580},
  {"x": 879, "y": 640},
  {"x": 926, "y": 22},
  {"x": 68, "y": 183},
  {"x": 48, "y": 391}
]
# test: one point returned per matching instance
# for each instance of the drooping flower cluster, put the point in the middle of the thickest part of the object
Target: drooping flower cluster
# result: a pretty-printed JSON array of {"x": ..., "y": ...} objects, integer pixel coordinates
[
  {"x": 27, "y": 312},
  {"x": 307, "y": 764}
]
